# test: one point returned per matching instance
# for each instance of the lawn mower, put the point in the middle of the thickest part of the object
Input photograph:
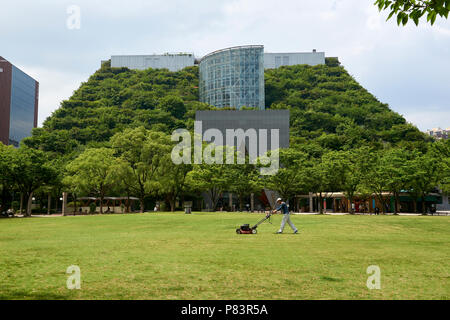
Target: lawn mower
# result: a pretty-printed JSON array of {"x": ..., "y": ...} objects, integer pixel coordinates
[{"x": 246, "y": 229}]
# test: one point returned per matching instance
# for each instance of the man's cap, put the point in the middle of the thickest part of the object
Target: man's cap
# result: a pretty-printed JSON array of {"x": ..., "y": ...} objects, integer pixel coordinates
[{"x": 279, "y": 199}]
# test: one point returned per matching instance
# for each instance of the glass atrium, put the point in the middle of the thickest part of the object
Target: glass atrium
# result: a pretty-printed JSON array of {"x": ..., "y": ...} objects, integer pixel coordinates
[{"x": 233, "y": 77}]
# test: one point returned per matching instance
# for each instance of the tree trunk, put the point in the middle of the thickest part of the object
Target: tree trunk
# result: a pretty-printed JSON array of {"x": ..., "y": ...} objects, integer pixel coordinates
[
  {"x": 101, "y": 205},
  {"x": 415, "y": 205},
  {"x": 320, "y": 203},
  {"x": 396, "y": 203},
  {"x": 141, "y": 202},
  {"x": 29, "y": 204},
  {"x": 214, "y": 196},
  {"x": 424, "y": 207},
  {"x": 49, "y": 203},
  {"x": 141, "y": 197},
  {"x": 214, "y": 203},
  {"x": 21, "y": 203},
  {"x": 75, "y": 206},
  {"x": 382, "y": 202},
  {"x": 3, "y": 206}
]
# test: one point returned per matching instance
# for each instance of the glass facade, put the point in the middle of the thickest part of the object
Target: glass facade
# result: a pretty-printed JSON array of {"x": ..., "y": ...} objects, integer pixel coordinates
[
  {"x": 23, "y": 94},
  {"x": 233, "y": 77}
]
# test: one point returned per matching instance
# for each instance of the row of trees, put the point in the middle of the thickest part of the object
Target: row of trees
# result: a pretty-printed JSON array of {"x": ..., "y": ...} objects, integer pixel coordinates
[
  {"x": 365, "y": 171},
  {"x": 137, "y": 162}
]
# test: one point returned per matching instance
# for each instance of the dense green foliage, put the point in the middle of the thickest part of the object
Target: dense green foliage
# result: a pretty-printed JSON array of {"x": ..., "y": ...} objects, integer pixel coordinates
[
  {"x": 415, "y": 9},
  {"x": 115, "y": 99},
  {"x": 328, "y": 108}
]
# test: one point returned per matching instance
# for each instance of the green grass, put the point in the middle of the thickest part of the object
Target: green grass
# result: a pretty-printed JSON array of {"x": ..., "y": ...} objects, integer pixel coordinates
[{"x": 199, "y": 256}]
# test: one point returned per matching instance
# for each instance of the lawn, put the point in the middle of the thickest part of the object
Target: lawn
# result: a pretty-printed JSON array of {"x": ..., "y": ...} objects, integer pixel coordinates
[{"x": 199, "y": 256}]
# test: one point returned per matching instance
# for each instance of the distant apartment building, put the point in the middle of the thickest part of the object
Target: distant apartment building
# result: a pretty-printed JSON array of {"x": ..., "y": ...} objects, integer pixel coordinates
[
  {"x": 19, "y": 96},
  {"x": 439, "y": 133}
]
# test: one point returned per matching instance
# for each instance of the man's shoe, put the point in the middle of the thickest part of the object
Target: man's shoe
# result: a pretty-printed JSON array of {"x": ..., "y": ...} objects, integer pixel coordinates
[
  {"x": 279, "y": 232},
  {"x": 296, "y": 231}
]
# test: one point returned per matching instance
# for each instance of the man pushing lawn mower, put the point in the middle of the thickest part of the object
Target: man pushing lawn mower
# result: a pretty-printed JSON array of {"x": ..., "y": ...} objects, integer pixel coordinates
[
  {"x": 280, "y": 206},
  {"x": 283, "y": 208}
]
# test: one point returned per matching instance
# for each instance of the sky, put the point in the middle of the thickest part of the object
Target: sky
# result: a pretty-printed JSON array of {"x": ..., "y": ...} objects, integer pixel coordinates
[{"x": 405, "y": 67}]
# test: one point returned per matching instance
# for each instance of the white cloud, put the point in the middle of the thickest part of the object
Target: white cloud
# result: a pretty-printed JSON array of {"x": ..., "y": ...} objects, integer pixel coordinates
[
  {"x": 425, "y": 120},
  {"x": 54, "y": 87}
]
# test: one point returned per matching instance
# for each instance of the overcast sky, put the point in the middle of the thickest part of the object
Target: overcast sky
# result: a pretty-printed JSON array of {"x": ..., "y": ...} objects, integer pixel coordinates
[{"x": 406, "y": 67}]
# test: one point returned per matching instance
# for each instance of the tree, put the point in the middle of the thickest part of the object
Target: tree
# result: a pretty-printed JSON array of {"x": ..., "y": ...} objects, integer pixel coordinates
[
  {"x": 386, "y": 176},
  {"x": 214, "y": 178},
  {"x": 173, "y": 105},
  {"x": 6, "y": 183},
  {"x": 173, "y": 180},
  {"x": 30, "y": 169},
  {"x": 95, "y": 171},
  {"x": 287, "y": 181},
  {"x": 246, "y": 181},
  {"x": 324, "y": 174},
  {"x": 426, "y": 171},
  {"x": 348, "y": 168},
  {"x": 441, "y": 151},
  {"x": 396, "y": 164},
  {"x": 415, "y": 9},
  {"x": 144, "y": 151}
]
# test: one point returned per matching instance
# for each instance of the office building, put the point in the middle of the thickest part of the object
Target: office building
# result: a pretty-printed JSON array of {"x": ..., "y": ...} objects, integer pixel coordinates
[{"x": 19, "y": 96}]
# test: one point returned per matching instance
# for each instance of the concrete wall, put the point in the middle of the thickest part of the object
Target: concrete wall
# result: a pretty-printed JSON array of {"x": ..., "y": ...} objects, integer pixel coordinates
[
  {"x": 247, "y": 119},
  {"x": 276, "y": 60},
  {"x": 173, "y": 62}
]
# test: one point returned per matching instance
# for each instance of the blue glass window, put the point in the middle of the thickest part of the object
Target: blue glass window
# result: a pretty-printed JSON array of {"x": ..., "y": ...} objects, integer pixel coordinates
[{"x": 23, "y": 93}]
